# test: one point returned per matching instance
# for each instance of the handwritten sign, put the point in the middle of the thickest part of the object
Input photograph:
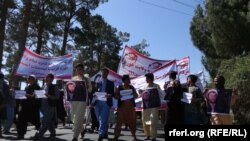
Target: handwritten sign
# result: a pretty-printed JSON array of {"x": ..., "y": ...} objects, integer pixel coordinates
[
  {"x": 126, "y": 94},
  {"x": 101, "y": 96},
  {"x": 187, "y": 97},
  {"x": 40, "y": 94},
  {"x": 20, "y": 95}
]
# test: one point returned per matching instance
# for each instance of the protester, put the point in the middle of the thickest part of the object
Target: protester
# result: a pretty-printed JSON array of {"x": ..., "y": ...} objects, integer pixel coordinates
[
  {"x": 224, "y": 101},
  {"x": 48, "y": 109},
  {"x": 102, "y": 107},
  {"x": 94, "y": 121},
  {"x": 125, "y": 107},
  {"x": 10, "y": 109},
  {"x": 175, "y": 110},
  {"x": 150, "y": 107},
  {"x": 60, "y": 109},
  {"x": 4, "y": 100},
  {"x": 78, "y": 105},
  {"x": 193, "y": 111},
  {"x": 29, "y": 110}
]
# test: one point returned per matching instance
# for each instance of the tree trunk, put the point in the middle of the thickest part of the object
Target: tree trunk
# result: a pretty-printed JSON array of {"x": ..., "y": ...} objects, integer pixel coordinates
[
  {"x": 39, "y": 38},
  {"x": 14, "y": 80},
  {"x": 4, "y": 10},
  {"x": 40, "y": 28},
  {"x": 65, "y": 35}
]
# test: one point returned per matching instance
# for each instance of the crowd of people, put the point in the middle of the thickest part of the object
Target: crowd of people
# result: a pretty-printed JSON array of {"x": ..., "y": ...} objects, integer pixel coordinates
[{"x": 211, "y": 106}]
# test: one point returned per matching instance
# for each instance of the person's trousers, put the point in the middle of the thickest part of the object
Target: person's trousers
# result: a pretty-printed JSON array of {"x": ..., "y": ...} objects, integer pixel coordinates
[
  {"x": 77, "y": 116},
  {"x": 149, "y": 122},
  {"x": 23, "y": 118},
  {"x": 94, "y": 120},
  {"x": 48, "y": 121},
  {"x": 102, "y": 114},
  {"x": 9, "y": 118}
]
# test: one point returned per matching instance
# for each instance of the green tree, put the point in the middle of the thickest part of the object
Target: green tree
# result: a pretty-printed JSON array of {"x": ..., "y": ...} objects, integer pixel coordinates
[
  {"x": 22, "y": 38},
  {"x": 4, "y": 6},
  {"x": 220, "y": 31},
  {"x": 141, "y": 47},
  {"x": 99, "y": 44}
]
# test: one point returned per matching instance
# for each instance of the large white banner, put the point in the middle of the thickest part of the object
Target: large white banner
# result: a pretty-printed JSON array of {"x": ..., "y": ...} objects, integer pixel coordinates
[
  {"x": 183, "y": 69},
  {"x": 32, "y": 63},
  {"x": 136, "y": 64},
  {"x": 160, "y": 76}
]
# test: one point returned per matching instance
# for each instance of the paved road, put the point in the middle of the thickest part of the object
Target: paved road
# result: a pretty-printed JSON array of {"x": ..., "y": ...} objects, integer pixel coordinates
[{"x": 65, "y": 134}]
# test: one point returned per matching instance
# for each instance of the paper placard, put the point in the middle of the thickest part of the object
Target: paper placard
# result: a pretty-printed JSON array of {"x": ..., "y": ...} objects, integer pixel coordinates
[
  {"x": 40, "y": 94},
  {"x": 126, "y": 97},
  {"x": 126, "y": 94},
  {"x": 186, "y": 97},
  {"x": 20, "y": 95},
  {"x": 138, "y": 100},
  {"x": 101, "y": 96}
]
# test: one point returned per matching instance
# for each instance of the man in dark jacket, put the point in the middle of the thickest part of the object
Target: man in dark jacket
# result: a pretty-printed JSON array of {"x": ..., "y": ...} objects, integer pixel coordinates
[
  {"x": 29, "y": 108},
  {"x": 175, "y": 111},
  {"x": 48, "y": 108},
  {"x": 4, "y": 96},
  {"x": 102, "y": 107}
]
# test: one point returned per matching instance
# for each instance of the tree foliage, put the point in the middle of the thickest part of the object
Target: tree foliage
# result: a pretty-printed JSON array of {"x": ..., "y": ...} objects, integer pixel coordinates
[
  {"x": 141, "y": 47},
  {"x": 55, "y": 28},
  {"x": 99, "y": 44},
  {"x": 220, "y": 31}
]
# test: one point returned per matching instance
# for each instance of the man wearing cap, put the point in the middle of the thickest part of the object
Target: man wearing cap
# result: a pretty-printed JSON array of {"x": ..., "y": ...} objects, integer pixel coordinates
[
  {"x": 79, "y": 98},
  {"x": 29, "y": 108}
]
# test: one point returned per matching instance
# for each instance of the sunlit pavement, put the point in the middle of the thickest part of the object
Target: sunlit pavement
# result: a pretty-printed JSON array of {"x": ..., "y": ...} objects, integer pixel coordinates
[{"x": 66, "y": 134}]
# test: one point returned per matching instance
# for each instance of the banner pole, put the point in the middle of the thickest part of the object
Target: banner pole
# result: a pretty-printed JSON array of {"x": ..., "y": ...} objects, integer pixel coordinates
[{"x": 121, "y": 59}]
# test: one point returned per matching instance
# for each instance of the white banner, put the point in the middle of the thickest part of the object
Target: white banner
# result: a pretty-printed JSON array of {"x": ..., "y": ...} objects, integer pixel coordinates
[
  {"x": 160, "y": 76},
  {"x": 32, "y": 63},
  {"x": 136, "y": 64}
]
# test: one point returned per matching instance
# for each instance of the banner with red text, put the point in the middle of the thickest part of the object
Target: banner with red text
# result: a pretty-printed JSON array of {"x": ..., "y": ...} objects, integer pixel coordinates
[
  {"x": 136, "y": 64},
  {"x": 32, "y": 63},
  {"x": 160, "y": 76},
  {"x": 183, "y": 69}
]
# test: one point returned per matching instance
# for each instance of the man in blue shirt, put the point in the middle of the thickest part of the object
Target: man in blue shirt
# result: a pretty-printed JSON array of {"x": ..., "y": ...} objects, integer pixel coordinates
[{"x": 102, "y": 107}]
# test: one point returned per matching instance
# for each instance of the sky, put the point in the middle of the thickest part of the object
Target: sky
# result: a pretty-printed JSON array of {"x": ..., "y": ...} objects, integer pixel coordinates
[{"x": 164, "y": 24}]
